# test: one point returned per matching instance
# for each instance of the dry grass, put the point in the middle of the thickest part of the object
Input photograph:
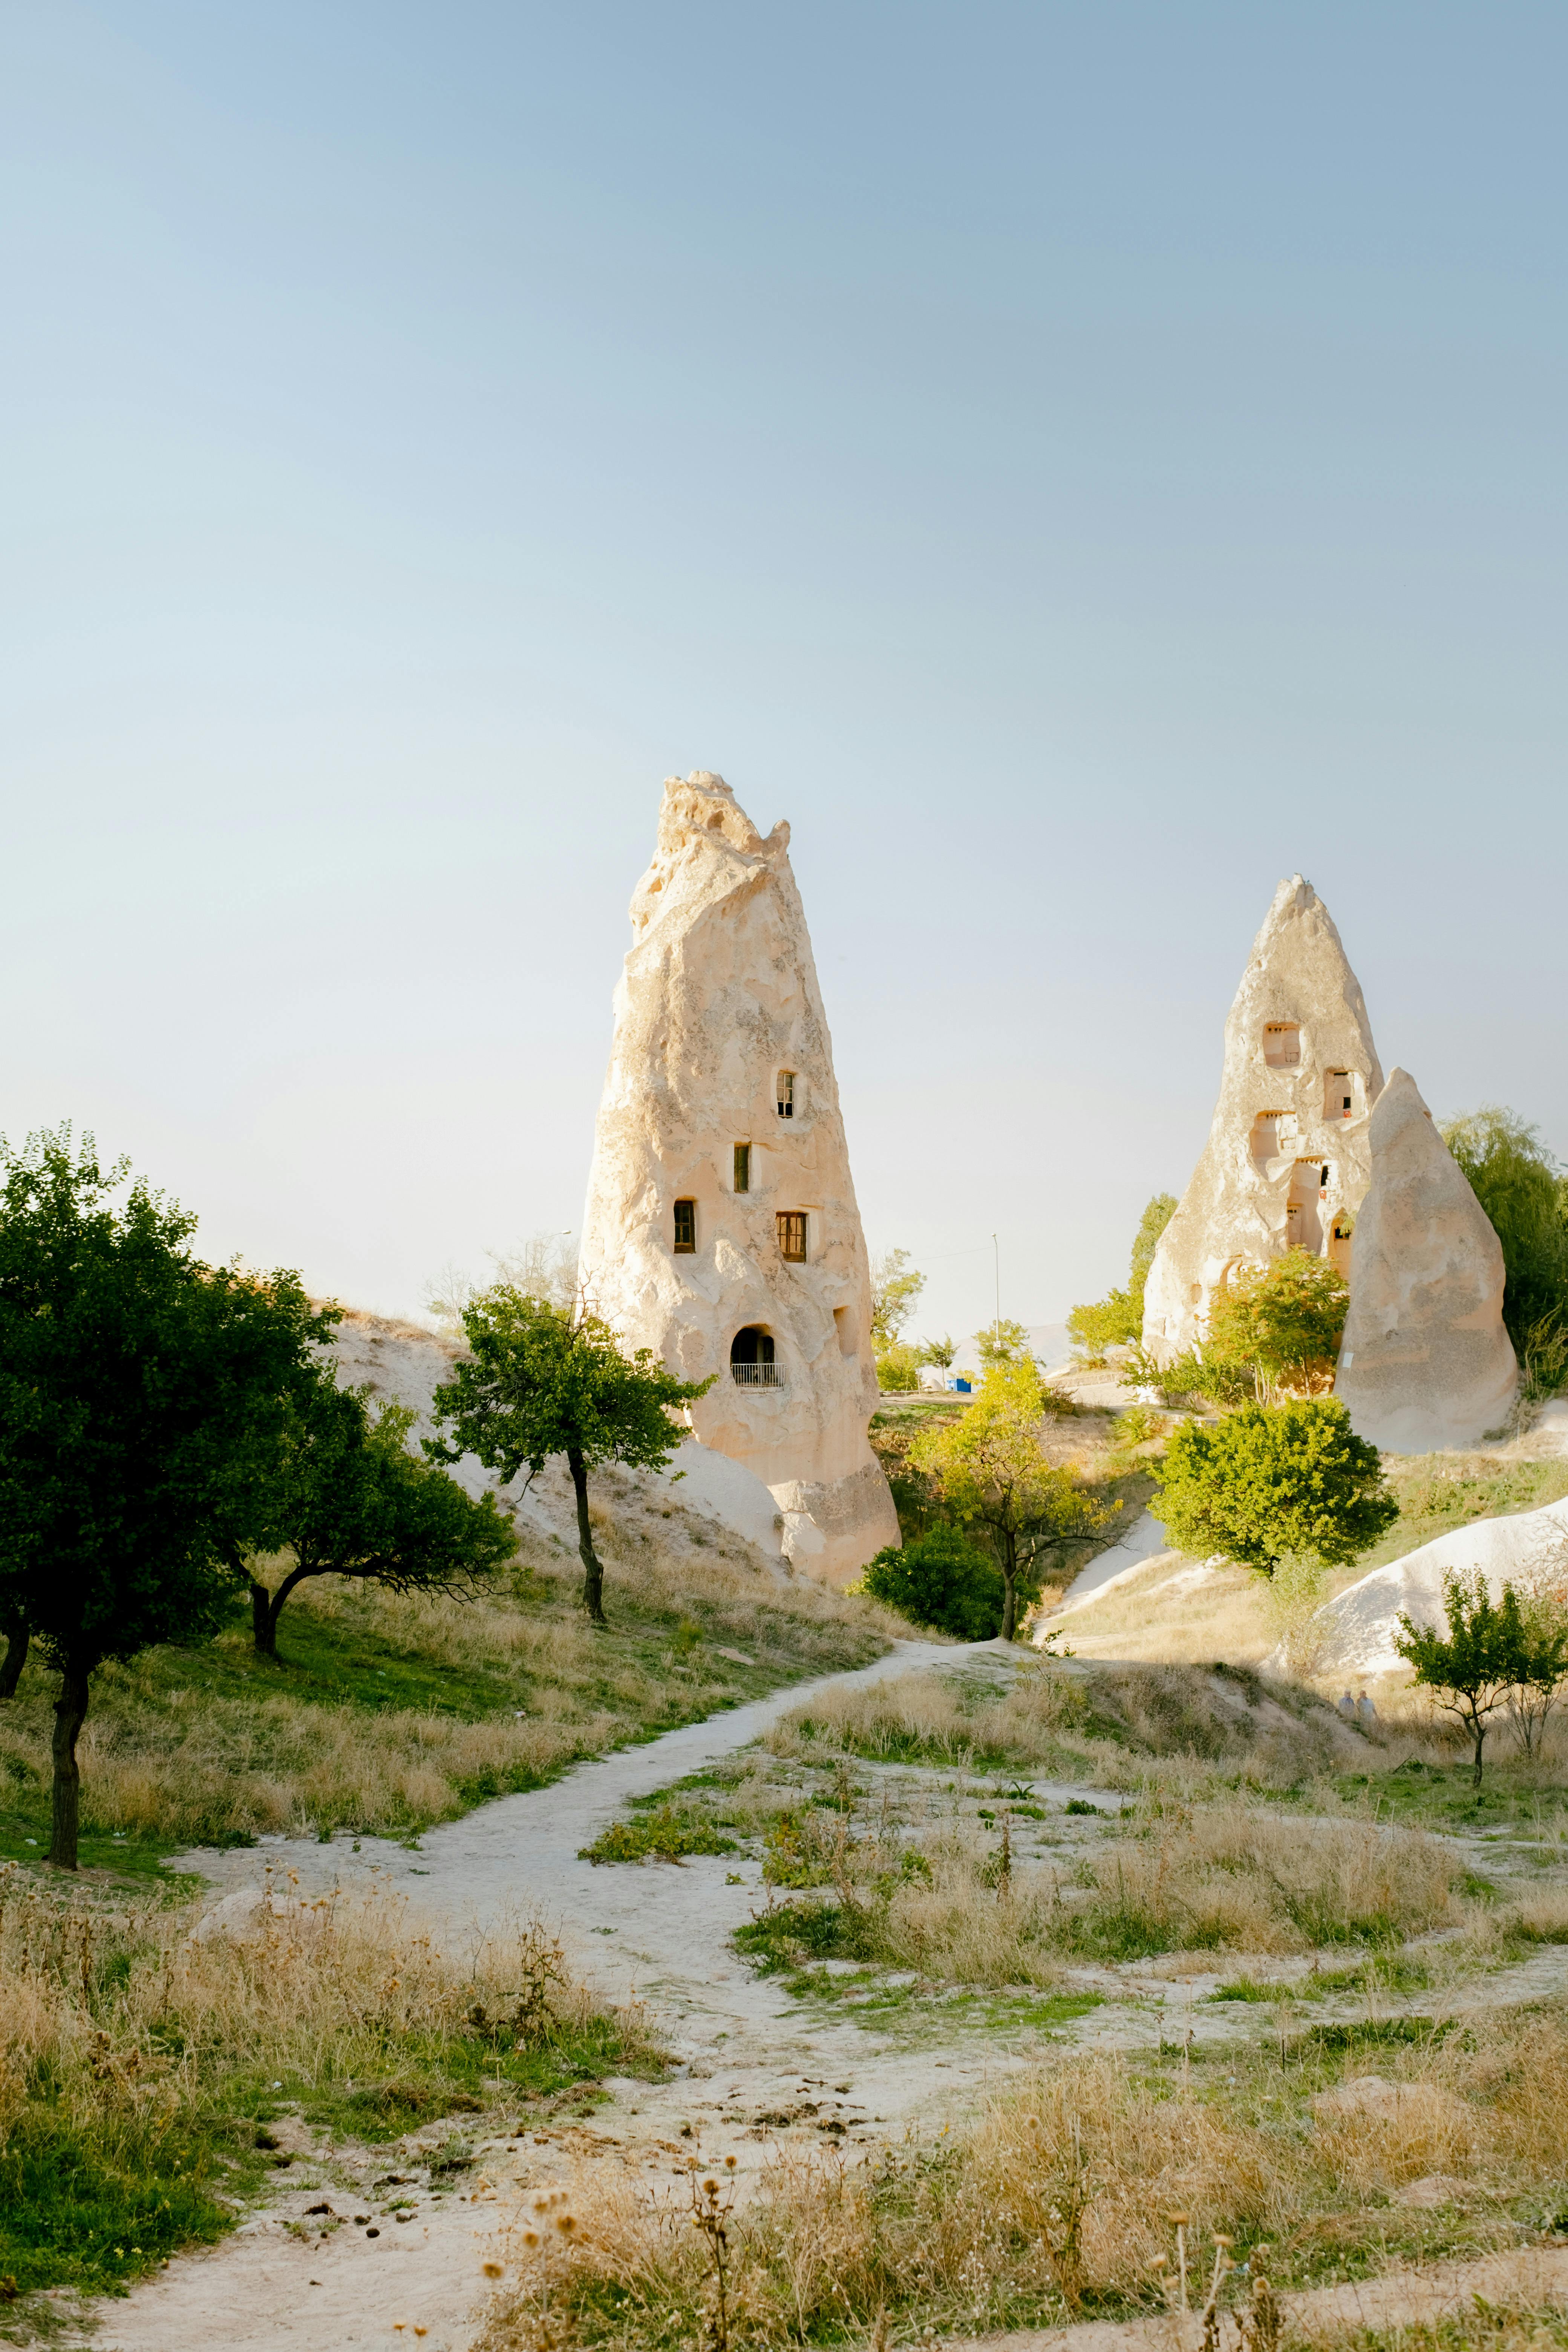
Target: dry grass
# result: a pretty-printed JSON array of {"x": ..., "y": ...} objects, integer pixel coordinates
[
  {"x": 970, "y": 2236},
  {"x": 1115, "y": 1723},
  {"x": 392, "y": 1713},
  {"x": 138, "y": 2058}
]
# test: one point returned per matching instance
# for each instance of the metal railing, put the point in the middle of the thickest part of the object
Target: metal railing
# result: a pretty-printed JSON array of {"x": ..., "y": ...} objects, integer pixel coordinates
[{"x": 756, "y": 1376}]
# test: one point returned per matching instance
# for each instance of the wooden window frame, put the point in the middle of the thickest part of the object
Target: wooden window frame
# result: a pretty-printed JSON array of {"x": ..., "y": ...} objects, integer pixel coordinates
[
  {"x": 791, "y": 1227},
  {"x": 743, "y": 1168},
  {"x": 685, "y": 1247},
  {"x": 784, "y": 1097}
]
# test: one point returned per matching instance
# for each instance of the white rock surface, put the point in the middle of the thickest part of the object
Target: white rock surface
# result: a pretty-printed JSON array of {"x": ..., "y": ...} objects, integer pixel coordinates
[
  {"x": 719, "y": 1003},
  {"x": 1298, "y": 1044},
  {"x": 1359, "y": 1626},
  {"x": 1425, "y": 1361}
]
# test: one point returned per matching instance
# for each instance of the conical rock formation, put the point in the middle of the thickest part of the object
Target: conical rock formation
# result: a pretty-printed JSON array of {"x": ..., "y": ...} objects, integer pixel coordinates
[
  {"x": 721, "y": 1229},
  {"x": 1287, "y": 1163},
  {"x": 1425, "y": 1361}
]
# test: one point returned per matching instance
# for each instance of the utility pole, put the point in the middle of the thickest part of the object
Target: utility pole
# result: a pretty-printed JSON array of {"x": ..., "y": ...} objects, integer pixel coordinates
[{"x": 996, "y": 1259}]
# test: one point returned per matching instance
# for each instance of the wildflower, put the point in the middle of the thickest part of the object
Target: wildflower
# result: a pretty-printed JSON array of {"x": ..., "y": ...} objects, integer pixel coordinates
[
  {"x": 730, "y": 2162},
  {"x": 495, "y": 2270},
  {"x": 565, "y": 2223}
]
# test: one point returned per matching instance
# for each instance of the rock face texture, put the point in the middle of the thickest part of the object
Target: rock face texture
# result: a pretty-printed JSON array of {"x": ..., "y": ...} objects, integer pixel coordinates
[
  {"x": 1286, "y": 1162},
  {"x": 721, "y": 1229},
  {"x": 1425, "y": 1361}
]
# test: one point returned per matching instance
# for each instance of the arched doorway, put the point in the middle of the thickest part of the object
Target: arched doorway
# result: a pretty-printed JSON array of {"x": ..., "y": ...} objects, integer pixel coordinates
[{"x": 752, "y": 1364}]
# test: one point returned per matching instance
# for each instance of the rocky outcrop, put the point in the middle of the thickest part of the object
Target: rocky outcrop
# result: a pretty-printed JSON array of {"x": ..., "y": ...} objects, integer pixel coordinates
[
  {"x": 721, "y": 1229},
  {"x": 1355, "y": 1633},
  {"x": 1425, "y": 1361},
  {"x": 1286, "y": 1162}
]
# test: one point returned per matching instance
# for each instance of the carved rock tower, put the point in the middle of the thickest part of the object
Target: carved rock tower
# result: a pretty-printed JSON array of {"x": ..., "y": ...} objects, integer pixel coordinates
[
  {"x": 1287, "y": 1163},
  {"x": 722, "y": 1228},
  {"x": 1425, "y": 1360}
]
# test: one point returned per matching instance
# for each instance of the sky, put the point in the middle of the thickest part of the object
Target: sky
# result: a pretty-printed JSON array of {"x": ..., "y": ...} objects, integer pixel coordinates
[{"x": 1079, "y": 464}]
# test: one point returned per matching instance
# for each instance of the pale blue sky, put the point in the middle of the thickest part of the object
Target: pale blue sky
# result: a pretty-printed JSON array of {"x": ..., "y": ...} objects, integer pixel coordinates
[{"x": 1079, "y": 463}]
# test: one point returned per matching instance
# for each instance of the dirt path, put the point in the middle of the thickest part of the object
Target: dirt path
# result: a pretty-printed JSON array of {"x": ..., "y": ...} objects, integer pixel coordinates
[{"x": 658, "y": 1933}]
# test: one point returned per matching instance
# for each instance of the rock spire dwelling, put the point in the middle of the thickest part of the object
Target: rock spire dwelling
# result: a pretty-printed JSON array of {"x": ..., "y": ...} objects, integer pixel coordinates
[
  {"x": 721, "y": 1229},
  {"x": 1287, "y": 1162},
  {"x": 1425, "y": 1361}
]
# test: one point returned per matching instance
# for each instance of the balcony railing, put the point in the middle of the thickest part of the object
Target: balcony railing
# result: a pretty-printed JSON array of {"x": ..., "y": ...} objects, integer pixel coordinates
[{"x": 756, "y": 1376}]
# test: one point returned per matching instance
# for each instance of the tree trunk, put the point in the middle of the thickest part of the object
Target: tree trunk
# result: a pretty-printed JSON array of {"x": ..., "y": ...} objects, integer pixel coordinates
[
  {"x": 70, "y": 1714},
  {"x": 15, "y": 1658},
  {"x": 1479, "y": 1731},
  {"x": 592, "y": 1574},
  {"x": 263, "y": 1621},
  {"x": 1009, "y": 1585}
]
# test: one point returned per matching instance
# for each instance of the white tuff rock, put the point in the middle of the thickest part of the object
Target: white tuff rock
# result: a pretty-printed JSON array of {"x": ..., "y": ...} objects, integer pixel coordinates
[
  {"x": 1425, "y": 1361},
  {"x": 1286, "y": 1165},
  {"x": 721, "y": 1229}
]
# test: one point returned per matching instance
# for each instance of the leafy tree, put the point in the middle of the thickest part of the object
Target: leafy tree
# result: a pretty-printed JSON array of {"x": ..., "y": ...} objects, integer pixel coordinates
[
  {"x": 1473, "y": 1669},
  {"x": 1117, "y": 1320},
  {"x": 353, "y": 1501},
  {"x": 895, "y": 1287},
  {"x": 136, "y": 1389},
  {"x": 991, "y": 1471},
  {"x": 1282, "y": 1323},
  {"x": 1525, "y": 1193},
  {"x": 941, "y": 1579},
  {"x": 1271, "y": 1479},
  {"x": 939, "y": 1352},
  {"x": 542, "y": 1378},
  {"x": 1002, "y": 1343},
  {"x": 898, "y": 1369},
  {"x": 1543, "y": 1665}
]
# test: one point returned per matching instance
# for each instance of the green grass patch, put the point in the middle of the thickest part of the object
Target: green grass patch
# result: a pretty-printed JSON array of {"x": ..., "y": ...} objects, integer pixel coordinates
[{"x": 667, "y": 1832}]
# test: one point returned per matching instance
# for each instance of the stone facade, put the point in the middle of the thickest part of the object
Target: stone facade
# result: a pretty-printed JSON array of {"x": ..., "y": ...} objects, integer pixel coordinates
[
  {"x": 722, "y": 1228},
  {"x": 1287, "y": 1162},
  {"x": 1425, "y": 1361}
]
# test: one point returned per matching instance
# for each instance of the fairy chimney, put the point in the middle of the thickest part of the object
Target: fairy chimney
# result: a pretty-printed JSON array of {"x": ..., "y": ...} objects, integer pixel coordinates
[
  {"x": 1287, "y": 1164},
  {"x": 722, "y": 1228},
  {"x": 1425, "y": 1361}
]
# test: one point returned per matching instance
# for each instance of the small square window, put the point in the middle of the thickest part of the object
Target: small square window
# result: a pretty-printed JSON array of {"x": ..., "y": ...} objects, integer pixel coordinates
[
  {"x": 742, "y": 1166},
  {"x": 685, "y": 1226},
  {"x": 786, "y": 1093},
  {"x": 791, "y": 1235}
]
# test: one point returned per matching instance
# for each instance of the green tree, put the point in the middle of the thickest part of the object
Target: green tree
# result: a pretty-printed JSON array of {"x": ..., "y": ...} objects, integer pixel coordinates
[
  {"x": 1282, "y": 1323},
  {"x": 541, "y": 1379},
  {"x": 895, "y": 1287},
  {"x": 898, "y": 1368},
  {"x": 1542, "y": 1668},
  {"x": 1472, "y": 1669},
  {"x": 1271, "y": 1479},
  {"x": 1525, "y": 1193},
  {"x": 941, "y": 1579},
  {"x": 353, "y": 1501},
  {"x": 990, "y": 1470},
  {"x": 1002, "y": 1343},
  {"x": 1117, "y": 1320},
  {"x": 136, "y": 1389},
  {"x": 938, "y": 1352}
]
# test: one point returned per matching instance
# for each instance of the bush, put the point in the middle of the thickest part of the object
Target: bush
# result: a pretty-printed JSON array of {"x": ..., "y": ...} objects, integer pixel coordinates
[
  {"x": 1525, "y": 1194},
  {"x": 941, "y": 1579},
  {"x": 1272, "y": 1479},
  {"x": 898, "y": 1369}
]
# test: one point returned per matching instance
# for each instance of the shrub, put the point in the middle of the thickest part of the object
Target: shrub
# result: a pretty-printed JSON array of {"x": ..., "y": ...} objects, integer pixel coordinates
[
  {"x": 1525, "y": 1194},
  {"x": 1275, "y": 1478},
  {"x": 942, "y": 1579},
  {"x": 898, "y": 1369}
]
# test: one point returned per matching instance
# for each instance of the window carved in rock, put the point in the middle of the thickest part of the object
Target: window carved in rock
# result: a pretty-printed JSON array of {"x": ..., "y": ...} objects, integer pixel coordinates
[
  {"x": 685, "y": 1227},
  {"x": 791, "y": 1235},
  {"x": 1282, "y": 1044},
  {"x": 785, "y": 1094},
  {"x": 742, "y": 1166}
]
